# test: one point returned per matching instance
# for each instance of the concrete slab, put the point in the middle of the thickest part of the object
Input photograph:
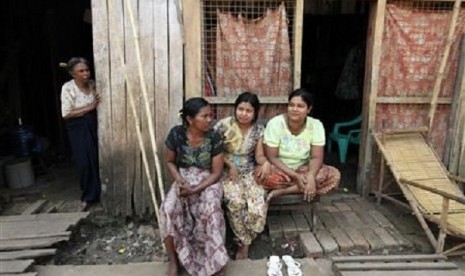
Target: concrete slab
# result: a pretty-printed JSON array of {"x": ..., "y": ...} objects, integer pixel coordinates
[{"x": 239, "y": 268}]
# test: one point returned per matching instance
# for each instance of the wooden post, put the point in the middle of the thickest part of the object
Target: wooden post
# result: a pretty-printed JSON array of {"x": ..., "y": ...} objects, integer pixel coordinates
[
  {"x": 442, "y": 66},
  {"x": 443, "y": 225},
  {"x": 373, "y": 61},
  {"x": 380, "y": 180},
  {"x": 102, "y": 76},
  {"x": 298, "y": 28}
]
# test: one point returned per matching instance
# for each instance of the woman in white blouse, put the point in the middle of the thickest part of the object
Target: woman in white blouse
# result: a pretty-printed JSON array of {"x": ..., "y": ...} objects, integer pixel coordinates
[{"x": 79, "y": 102}]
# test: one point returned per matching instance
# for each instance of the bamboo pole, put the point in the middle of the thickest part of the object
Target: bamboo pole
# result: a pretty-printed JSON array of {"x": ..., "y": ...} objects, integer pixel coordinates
[
  {"x": 137, "y": 123},
  {"x": 442, "y": 66},
  {"x": 146, "y": 101},
  {"x": 443, "y": 225}
]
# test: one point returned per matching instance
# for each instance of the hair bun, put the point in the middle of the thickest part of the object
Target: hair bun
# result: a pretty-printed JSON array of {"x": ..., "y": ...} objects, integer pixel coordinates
[{"x": 63, "y": 64}]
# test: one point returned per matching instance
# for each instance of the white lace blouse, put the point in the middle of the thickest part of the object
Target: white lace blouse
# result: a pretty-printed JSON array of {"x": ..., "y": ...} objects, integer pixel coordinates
[{"x": 72, "y": 97}]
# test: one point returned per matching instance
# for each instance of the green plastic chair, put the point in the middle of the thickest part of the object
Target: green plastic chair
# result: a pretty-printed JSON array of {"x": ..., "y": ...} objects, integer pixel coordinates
[{"x": 351, "y": 136}]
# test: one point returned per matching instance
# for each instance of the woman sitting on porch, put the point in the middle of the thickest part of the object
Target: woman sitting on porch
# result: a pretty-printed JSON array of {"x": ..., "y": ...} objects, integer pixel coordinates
[
  {"x": 191, "y": 219},
  {"x": 243, "y": 147},
  {"x": 294, "y": 144}
]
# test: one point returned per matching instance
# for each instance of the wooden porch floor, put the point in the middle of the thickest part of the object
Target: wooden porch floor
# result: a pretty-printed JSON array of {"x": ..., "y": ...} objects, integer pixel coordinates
[{"x": 346, "y": 224}]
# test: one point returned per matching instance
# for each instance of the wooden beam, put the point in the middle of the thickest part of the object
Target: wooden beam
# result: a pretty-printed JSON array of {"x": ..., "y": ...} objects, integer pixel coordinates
[
  {"x": 263, "y": 100},
  {"x": 411, "y": 100},
  {"x": 193, "y": 48},
  {"x": 27, "y": 254},
  {"x": 443, "y": 225},
  {"x": 298, "y": 29},
  {"x": 101, "y": 44},
  {"x": 373, "y": 61},
  {"x": 442, "y": 66},
  {"x": 459, "y": 199}
]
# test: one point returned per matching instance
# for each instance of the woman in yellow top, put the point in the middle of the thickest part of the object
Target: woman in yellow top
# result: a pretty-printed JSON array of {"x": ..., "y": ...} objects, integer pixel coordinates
[
  {"x": 295, "y": 146},
  {"x": 243, "y": 148}
]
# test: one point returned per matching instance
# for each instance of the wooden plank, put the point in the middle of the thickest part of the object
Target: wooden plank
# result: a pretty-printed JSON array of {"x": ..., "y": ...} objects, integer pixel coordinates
[
  {"x": 263, "y": 100},
  {"x": 300, "y": 221},
  {"x": 193, "y": 48},
  {"x": 395, "y": 266},
  {"x": 389, "y": 258},
  {"x": 46, "y": 217},
  {"x": 297, "y": 39},
  {"x": 387, "y": 239},
  {"x": 32, "y": 235},
  {"x": 402, "y": 273},
  {"x": 353, "y": 219},
  {"x": 342, "y": 239},
  {"x": 288, "y": 225},
  {"x": 411, "y": 100},
  {"x": 360, "y": 243},
  {"x": 326, "y": 241},
  {"x": 116, "y": 198},
  {"x": 21, "y": 274},
  {"x": 372, "y": 65},
  {"x": 342, "y": 206},
  {"x": 16, "y": 244},
  {"x": 133, "y": 88},
  {"x": 327, "y": 219},
  {"x": 274, "y": 227},
  {"x": 380, "y": 218},
  {"x": 101, "y": 52},
  {"x": 146, "y": 41},
  {"x": 34, "y": 207},
  {"x": 176, "y": 44},
  {"x": 54, "y": 207},
  {"x": 15, "y": 266},
  {"x": 162, "y": 69},
  {"x": 373, "y": 240},
  {"x": 27, "y": 254},
  {"x": 310, "y": 245}
]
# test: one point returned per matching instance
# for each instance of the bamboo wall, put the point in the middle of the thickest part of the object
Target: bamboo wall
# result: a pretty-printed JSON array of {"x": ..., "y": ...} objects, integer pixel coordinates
[{"x": 138, "y": 54}]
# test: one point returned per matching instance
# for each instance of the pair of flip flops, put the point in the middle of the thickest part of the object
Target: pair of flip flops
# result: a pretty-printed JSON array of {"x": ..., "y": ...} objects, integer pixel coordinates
[{"x": 275, "y": 265}]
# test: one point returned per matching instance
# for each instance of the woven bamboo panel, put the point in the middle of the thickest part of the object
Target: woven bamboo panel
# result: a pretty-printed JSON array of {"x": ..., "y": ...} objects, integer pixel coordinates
[
  {"x": 456, "y": 223},
  {"x": 408, "y": 147},
  {"x": 411, "y": 158}
]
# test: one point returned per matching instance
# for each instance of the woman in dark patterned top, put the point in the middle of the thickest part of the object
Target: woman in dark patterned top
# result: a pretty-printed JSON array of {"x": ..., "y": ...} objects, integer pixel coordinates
[{"x": 191, "y": 219}]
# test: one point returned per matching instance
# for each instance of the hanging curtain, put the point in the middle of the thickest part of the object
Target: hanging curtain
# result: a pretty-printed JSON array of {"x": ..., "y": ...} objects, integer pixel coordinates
[{"x": 253, "y": 55}]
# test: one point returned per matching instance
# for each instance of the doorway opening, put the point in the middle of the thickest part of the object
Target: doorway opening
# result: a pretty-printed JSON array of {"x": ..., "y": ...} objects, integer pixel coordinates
[{"x": 333, "y": 68}]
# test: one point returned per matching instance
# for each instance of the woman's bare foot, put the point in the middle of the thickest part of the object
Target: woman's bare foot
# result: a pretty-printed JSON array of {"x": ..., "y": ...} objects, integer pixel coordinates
[
  {"x": 172, "y": 269},
  {"x": 242, "y": 252}
]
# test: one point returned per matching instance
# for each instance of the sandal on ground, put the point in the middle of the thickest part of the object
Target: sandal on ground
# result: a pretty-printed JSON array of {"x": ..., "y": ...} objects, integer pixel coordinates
[
  {"x": 274, "y": 266},
  {"x": 293, "y": 267}
]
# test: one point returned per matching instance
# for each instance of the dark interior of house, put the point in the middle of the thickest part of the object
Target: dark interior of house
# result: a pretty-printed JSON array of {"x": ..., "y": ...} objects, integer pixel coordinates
[{"x": 37, "y": 36}]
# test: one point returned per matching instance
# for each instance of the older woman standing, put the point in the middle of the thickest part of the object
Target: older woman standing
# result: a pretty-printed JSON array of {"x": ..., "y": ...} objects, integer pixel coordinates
[
  {"x": 191, "y": 219},
  {"x": 79, "y": 101},
  {"x": 243, "y": 148},
  {"x": 295, "y": 146}
]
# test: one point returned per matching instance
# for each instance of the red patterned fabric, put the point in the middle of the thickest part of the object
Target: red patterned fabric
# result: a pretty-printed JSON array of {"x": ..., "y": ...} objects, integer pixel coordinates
[
  {"x": 413, "y": 43},
  {"x": 253, "y": 55}
]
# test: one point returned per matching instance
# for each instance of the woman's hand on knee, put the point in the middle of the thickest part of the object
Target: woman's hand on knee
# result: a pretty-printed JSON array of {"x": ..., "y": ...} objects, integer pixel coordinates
[{"x": 309, "y": 190}]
